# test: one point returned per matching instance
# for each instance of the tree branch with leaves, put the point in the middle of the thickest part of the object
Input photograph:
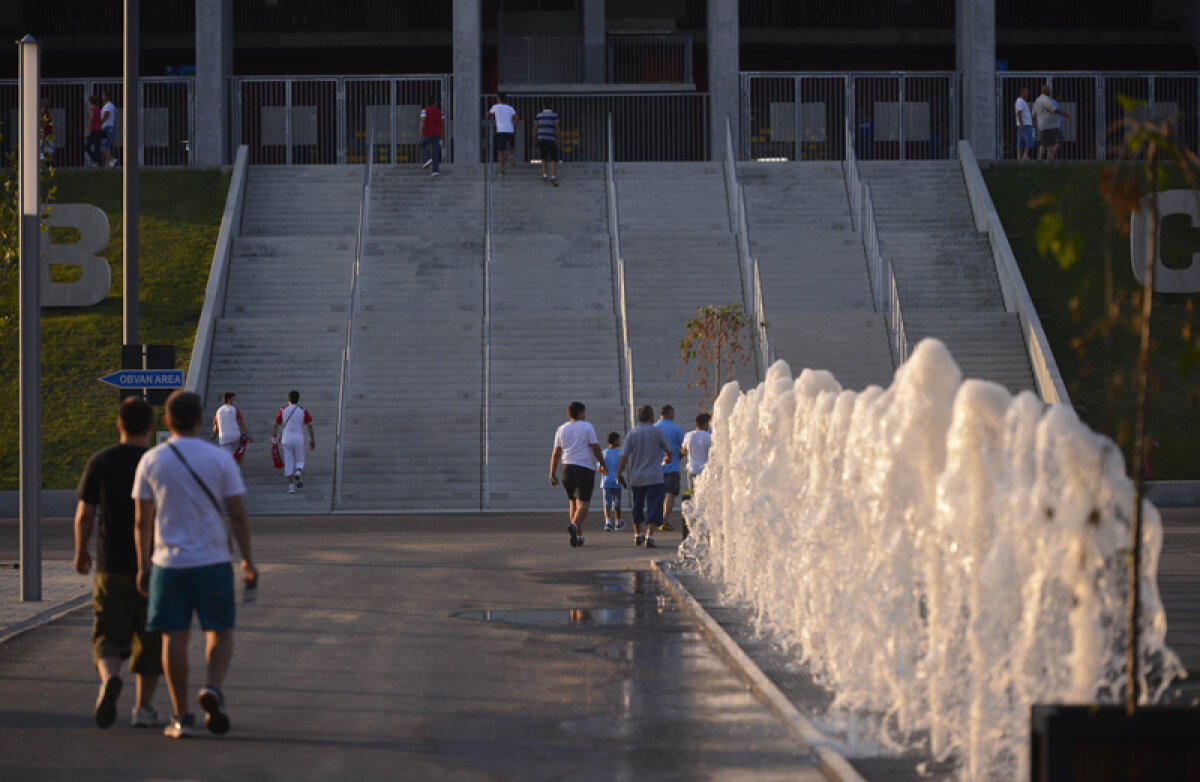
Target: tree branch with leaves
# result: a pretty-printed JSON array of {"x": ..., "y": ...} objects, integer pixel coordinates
[{"x": 715, "y": 342}]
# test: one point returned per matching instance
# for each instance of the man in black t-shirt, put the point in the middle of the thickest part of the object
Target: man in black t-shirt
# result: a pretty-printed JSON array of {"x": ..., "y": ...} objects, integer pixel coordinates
[{"x": 119, "y": 629}]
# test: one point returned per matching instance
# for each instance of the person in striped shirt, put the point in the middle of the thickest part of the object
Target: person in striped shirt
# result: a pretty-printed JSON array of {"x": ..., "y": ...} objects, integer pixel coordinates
[{"x": 548, "y": 132}]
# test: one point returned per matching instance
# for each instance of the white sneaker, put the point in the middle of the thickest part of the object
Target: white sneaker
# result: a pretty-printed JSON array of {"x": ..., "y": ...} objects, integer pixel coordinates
[
  {"x": 113, "y": 163},
  {"x": 147, "y": 718},
  {"x": 291, "y": 488},
  {"x": 427, "y": 163},
  {"x": 299, "y": 480}
]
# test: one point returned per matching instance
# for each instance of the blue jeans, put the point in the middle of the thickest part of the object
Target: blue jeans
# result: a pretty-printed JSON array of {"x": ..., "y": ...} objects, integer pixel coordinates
[
  {"x": 434, "y": 151},
  {"x": 648, "y": 505}
]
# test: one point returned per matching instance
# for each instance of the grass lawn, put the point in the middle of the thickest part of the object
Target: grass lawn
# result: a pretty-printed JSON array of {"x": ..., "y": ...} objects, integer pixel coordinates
[
  {"x": 178, "y": 225},
  {"x": 1099, "y": 381}
]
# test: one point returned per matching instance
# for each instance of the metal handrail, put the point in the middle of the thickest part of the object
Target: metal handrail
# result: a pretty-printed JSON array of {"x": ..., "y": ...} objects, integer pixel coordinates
[
  {"x": 766, "y": 350},
  {"x": 485, "y": 411},
  {"x": 853, "y": 181},
  {"x": 747, "y": 266},
  {"x": 364, "y": 225},
  {"x": 618, "y": 270},
  {"x": 899, "y": 344}
]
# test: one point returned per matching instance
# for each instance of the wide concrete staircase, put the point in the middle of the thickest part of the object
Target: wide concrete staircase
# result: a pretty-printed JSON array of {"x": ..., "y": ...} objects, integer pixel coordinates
[
  {"x": 413, "y": 426},
  {"x": 679, "y": 255},
  {"x": 944, "y": 269},
  {"x": 553, "y": 330},
  {"x": 283, "y": 325},
  {"x": 815, "y": 284}
]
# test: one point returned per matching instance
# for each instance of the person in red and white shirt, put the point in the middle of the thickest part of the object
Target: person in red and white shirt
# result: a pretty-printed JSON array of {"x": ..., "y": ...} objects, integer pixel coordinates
[
  {"x": 293, "y": 419},
  {"x": 228, "y": 427}
]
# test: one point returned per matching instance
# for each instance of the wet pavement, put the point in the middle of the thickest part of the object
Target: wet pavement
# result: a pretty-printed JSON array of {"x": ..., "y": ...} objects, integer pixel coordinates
[{"x": 417, "y": 647}]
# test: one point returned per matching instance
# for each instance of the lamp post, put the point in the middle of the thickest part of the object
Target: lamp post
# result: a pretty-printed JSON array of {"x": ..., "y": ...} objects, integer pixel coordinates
[
  {"x": 29, "y": 141},
  {"x": 129, "y": 175}
]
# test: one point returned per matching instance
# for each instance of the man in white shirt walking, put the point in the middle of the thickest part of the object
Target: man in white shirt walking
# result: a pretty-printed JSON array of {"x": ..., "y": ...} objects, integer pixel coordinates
[
  {"x": 108, "y": 124},
  {"x": 187, "y": 568},
  {"x": 1025, "y": 138},
  {"x": 506, "y": 121},
  {"x": 1047, "y": 112},
  {"x": 576, "y": 447},
  {"x": 293, "y": 419}
]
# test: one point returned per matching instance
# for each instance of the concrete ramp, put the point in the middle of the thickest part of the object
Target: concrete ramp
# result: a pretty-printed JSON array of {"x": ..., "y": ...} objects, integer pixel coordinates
[
  {"x": 553, "y": 329},
  {"x": 412, "y": 435},
  {"x": 816, "y": 288},
  {"x": 283, "y": 325}
]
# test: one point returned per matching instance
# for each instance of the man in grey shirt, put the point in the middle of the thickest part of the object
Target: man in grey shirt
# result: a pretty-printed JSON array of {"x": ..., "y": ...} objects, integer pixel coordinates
[{"x": 645, "y": 451}]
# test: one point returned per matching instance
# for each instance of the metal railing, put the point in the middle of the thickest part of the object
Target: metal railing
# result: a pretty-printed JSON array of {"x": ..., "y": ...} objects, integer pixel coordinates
[
  {"x": 485, "y": 410},
  {"x": 624, "y": 59},
  {"x": 735, "y": 196},
  {"x": 650, "y": 126},
  {"x": 1016, "y": 296},
  {"x": 325, "y": 119},
  {"x": 1092, "y": 101},
  {"x": 344, "y": 389},
  {"x": 166, "y": 120},
  {"x": 618, "y": 270},
  {"x": 766, "y": 351},
  {"x": 895, "y": 115},
  {"x": 885, "y": 294}
]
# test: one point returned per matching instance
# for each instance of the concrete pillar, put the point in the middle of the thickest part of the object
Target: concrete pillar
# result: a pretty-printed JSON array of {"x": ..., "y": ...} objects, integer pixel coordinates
[
  {"x": 723, "y": 81},
  {"x": 213, "y": 105},
  {"x": 975, "y": 55},
  {"x": 467, "y": 115},
  {"x": 594, "y": 56}
]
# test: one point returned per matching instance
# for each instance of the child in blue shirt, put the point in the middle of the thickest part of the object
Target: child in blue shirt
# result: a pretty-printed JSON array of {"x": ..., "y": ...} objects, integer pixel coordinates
[{"x": 611, "y": 485}]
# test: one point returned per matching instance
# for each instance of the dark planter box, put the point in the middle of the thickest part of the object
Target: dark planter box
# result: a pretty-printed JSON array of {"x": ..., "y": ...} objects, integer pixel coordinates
[{"x": 1102, "y": 744}]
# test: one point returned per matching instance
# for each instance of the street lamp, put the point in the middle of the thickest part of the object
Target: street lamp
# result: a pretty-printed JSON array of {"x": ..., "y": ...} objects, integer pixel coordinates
[{"x": 29, "y": 149}]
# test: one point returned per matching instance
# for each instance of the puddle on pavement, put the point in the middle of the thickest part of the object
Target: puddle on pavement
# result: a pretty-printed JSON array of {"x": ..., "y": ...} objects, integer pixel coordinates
[{"x": 561, "y": 617}]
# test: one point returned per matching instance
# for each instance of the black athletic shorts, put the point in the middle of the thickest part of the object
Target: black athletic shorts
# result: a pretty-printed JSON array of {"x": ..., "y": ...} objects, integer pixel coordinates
[
  {"x": 548, "y": 149},
  {"x": 671, "y": 483},
  {"x": 579, "y": 482},
  {"x": 504, "y": 141}
]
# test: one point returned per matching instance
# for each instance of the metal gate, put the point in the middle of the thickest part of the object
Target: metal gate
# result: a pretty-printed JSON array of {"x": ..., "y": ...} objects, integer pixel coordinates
[
  {"x": 1092, "y": 100},
  {"x": 895, "y": 115},
  {"x": 166, "y": 120},
  {"x": 325, "y": 119},
  {"x": 654, "y": 126}
]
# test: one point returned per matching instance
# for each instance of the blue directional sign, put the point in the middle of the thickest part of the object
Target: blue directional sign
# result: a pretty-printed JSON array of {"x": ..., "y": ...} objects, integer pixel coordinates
[{"x": 145, "y": 378}]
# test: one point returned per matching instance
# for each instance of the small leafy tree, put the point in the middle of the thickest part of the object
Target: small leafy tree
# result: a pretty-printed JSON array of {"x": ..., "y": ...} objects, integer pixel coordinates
[{"x": 717, "y": 339}]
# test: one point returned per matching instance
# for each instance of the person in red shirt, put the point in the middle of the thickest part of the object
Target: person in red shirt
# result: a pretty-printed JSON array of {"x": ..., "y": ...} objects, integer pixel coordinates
[
  {"x": 431, "y": 136},
  {"x": 47, "y": 133},
  {"x": 91, "y": 146}
]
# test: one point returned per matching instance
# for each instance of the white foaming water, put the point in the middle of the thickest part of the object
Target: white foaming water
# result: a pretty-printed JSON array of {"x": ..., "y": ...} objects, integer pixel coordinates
[{"x": 942, "y": 555}]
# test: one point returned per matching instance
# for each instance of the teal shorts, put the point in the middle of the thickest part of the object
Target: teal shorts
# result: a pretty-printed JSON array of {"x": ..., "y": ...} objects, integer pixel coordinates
[{"x": 177, "y": 592}]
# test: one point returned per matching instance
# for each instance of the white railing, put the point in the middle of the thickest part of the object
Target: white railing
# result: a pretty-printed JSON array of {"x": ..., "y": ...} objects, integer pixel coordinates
[
  {"x": 485, "y": 402},
  {"x": 735, "y": 196},
  {"x": 766, "y": 351},
  {"x": 1012, "y": 284},
  {"x": 218, "y": 276},
  {"x": 618, "y": 270},
  {"x": 364, "y": 223},
  {"x": 885, "y": 293}
]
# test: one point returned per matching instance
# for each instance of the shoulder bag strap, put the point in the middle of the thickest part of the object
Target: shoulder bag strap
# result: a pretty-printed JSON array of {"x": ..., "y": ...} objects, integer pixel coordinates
[{"x": 201, "y": 483}]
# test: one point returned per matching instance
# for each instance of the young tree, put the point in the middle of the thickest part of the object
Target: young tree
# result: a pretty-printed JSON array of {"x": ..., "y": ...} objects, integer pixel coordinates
[{"x": 717, "y": 339}]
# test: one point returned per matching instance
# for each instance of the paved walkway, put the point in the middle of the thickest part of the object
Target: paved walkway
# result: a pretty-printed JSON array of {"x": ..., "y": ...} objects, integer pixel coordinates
[
  {"x": 453, "y": 646},
  {"x": 432, "y": 647}
]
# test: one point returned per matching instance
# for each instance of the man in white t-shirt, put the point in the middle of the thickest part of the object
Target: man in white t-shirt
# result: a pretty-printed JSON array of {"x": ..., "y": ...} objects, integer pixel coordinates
[
  {"x": 696, "y": 445},
  {"x": 576, "y": 447},
  {"x": 181, "y": 488},
  {"x": 1046, "y": 112},
  {"x": 1025, "y": 138},
  {"x": 228, "y": 427},
  {"x": 506, "y": 122},
  {"x": 293, "y": 419},
  {"x": 108, "y": 124}
]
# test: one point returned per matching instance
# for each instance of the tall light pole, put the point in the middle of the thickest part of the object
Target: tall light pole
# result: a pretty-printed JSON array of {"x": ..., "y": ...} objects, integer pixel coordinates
[
  {"x": 129, "y": 174},
  {"x": 29, "y": 149}
]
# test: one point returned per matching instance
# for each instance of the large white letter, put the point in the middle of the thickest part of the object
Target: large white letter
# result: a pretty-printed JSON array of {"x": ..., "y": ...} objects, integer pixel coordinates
[
  {"x": 1170, "y": 202},
  {"x": 94, "y": 283}
]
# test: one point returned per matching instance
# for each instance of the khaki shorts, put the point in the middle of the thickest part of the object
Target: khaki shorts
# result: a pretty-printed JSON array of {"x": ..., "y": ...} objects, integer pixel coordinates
[{"x": 119, "y": 626}]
